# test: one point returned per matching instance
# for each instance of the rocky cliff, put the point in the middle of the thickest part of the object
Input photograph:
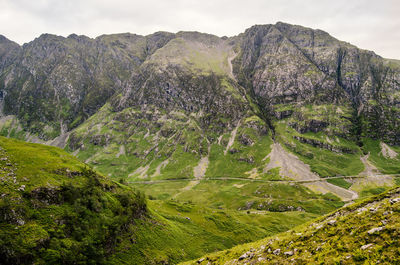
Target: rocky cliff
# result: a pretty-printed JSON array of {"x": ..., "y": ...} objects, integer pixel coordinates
[
  {"x": 145, "y": 107},
  {"x": 53, "y": 83}
]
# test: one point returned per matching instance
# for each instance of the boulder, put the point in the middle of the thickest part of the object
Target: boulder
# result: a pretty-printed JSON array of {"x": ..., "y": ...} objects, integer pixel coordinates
[
  {"x": 277, "y": 251},
  {"x": 374, "y": 230}
]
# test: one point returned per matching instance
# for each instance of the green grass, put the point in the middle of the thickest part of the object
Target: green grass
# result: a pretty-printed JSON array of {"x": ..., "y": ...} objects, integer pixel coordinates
[
  {"x": 236, "y": 164},
  {"x": 186, "y": 230},
  {"x": 196, "y": 51},
  {"x": 397, "y": 181},
  {"x": 244, "y": 195},
  {"x": 372, "y": 191},
  {"x": 55, "y": 209},
  {"x": 11, "y": 127},
  {"x": 146, "y": 144},
  {"x": 322, "y": 161},
  {"x": 319, "y": 242},
  {"x": 385, "y": 165},
  {"x": 38, "y": 165},
  {"x": 70, "y": 213},
  {"x": 341, "y": 182}
]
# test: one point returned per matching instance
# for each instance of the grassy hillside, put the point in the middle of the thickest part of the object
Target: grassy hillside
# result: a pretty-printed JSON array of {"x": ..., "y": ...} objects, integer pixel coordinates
[
  {"x": 55, "y": 209},
  {"x": 184, "y": 230},
  {"x": 361, "y": 233}
]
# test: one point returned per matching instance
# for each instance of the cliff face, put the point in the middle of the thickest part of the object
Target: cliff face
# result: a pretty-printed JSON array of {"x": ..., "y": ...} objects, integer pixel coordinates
[
  {"x": 285, "y": 64},
  {"x": 190, "y": 96},
  {"x": 53, "y": 83}
]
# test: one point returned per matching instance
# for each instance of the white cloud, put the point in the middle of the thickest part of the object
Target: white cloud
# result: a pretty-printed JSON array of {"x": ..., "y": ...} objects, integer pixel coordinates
[{"x": 370, "y": 25}]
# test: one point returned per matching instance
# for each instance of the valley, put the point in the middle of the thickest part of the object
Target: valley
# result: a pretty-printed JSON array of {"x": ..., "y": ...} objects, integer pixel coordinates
[{"x": 186, "y": 143}]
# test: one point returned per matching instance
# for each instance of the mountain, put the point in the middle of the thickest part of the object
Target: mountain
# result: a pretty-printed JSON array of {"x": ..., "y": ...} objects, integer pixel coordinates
[
  {"x": 296, "y": 66},
  {"x": 266, "y": 129},
  {"x": 361, "y": 233},
  {"x": 60, "y": 82},
  {"x": 276, "y": 102}
]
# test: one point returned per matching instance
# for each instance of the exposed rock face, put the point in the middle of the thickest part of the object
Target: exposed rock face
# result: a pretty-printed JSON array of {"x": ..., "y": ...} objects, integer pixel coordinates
[
  {"x": 53, "y": 83},
  {"x": 283, "y": 63},
  {"x": 8, "y": 52},
  {"x": 323, "y": 145},
  {"x": 177, "y": 89}
]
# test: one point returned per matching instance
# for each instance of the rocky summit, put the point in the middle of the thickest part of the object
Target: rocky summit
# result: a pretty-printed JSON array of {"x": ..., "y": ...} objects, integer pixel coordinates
[
  {"x": 231, "y": 138},
  {"x": 53, "y": 84}
]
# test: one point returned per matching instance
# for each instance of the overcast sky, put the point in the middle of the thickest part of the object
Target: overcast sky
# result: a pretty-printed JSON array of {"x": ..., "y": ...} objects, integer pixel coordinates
[{"x": 372, "y": 24}]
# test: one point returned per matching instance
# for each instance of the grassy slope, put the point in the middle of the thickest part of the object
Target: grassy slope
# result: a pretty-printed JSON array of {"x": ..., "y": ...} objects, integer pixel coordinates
[
  {"x": 246, "y": 195},
  {"x": 384, "y": 164},
  {"x": 11, "y": 127},
  {"x": 185, "y": 230},
  {"x": 140, "y": 139},
  {"x": 53, "y": 208},
  {"x": 201, "y": 53},
  {"x": 66, "y": 212},
  {"x": 342, "y": 237},
  {"x": 322, "y": 161}
]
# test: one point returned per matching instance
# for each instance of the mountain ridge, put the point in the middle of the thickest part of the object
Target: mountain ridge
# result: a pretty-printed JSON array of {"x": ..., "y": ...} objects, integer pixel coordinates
[
  {"x": 231, "y": 139},
  {"x": 286, "y": 31},
  {"x": 163, "y": 102}
]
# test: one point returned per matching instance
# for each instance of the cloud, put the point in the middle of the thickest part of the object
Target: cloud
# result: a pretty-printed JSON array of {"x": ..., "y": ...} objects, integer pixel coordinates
[{"x": 370, "y": 25}]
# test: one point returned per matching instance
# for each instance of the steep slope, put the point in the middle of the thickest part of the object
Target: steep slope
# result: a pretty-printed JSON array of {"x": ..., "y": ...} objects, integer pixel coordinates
[
  {"x": 292, "y": 167},
  {"x": 361, "y": 233},
  {"x": 287, "y": 64},
  {"x": 54, "y": 209},
  {"x": 176, "y": 115},
  {"x": 54, "y": 83},
  {"x": 172, "y": 112}
]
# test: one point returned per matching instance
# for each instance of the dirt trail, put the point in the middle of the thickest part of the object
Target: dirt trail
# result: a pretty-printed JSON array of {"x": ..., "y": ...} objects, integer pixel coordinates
[
  {"x": 232, "y": 138},
  {"x": 121, "y": 151},
  {"x": 291, "y": 166},
  {"x": 75, "y": 153},
  {"x": 141, "y": 171},
  {"x": 147, "y": 134},
  {"x": 159, "y": 167},
  {"x": 230, "y": 58},
  {"x": 370, "y": 169},
  {"x": 387, "y": 151},
  {"x": 253, "y": 180},
  {"x": 60, "y": 141},
  {"x": 372, "y": 176},
  {"x": 2, "y": 106},
  {"x": 219, "y": 139},
  {"x": 198, "y": 171}
]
